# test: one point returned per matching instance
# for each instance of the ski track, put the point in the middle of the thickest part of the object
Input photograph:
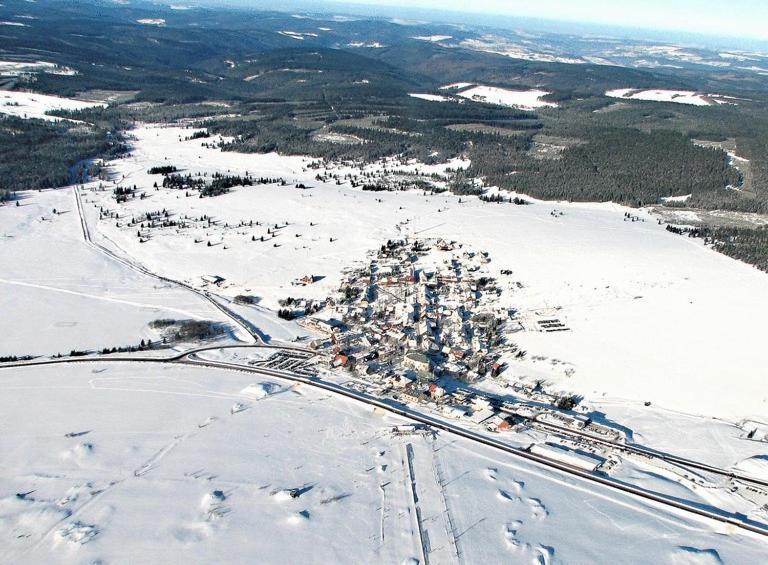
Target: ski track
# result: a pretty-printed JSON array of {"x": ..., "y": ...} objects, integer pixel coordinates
[{"x": 103, "y": 298}]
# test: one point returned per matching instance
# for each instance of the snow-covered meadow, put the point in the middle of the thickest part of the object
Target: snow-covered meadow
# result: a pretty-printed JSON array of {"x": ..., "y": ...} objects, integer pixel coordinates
[
  {"x": 653, "y": 316},
  {"x": 676, "y": 96},
  {"x": 202, "y": 470},
  {"x": 60, "y": 294},
  {"x": 430, "y": 97},
  {"x": 523, "y": 99},
  {"x": 34, "y": 105}
]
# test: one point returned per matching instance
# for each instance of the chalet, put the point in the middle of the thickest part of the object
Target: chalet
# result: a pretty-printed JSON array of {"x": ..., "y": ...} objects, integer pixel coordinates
[
  {"x": 340, "y": 360},
  {"x": 330, "y": 326},
  {"x": 503, "y": 425},
  {"x": 410, "y": 396},
  {"x": 304, "y": 281},
  {"x": 458, "y": 353},
  {"x": 435, "y": 391},
  {"x": 316, "y": 344},
  {"x": 213, "y": 279}
]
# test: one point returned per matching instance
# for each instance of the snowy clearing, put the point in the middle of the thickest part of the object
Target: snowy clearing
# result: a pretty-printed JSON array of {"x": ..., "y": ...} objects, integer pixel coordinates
[
  {"x": 433, "y": 38},
  {"x": 34, "y": 105},
  {"x": 430, "y": 97},
  {"x": 456, "y": 85},
  {"x": 523, "y": 99},
  {"x": 16, "y": 68},
  {"x": 44, "y": 308},
  {"x": 677, "y": 96}
]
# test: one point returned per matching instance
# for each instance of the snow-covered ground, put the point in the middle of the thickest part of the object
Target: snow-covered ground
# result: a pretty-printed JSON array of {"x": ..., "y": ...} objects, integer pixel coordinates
[
  {"x": 164, "y": 463},
  {"x": 34, "y": 105},
  {"x": 59, "y": 294},
  {"x": 677, "y": 96},
  {"x": 430, "y": 97},
  {"x": 335, "y": 225},
  {"x": 12, "y": 68},
  {"x": 652, "y": 316},
  {"x": 433, "y": 38},
  {"x": 523, "y": 99}
]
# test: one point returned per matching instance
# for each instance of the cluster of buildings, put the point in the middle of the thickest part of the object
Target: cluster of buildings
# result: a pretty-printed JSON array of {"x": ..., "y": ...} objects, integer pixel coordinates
[{"x": 418, "y": 319}]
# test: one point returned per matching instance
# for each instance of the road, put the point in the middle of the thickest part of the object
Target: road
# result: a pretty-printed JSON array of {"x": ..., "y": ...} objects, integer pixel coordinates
[
  {"x": 191, "y": 358},
  {"x": 647, "y": 452},
  {"x": 236, "y": 319},
  {"x": 455, "y": 429}
]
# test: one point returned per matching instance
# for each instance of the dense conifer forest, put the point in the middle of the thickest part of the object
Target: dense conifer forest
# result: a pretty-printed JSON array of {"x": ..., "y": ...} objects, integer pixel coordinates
[{"x": 332, "y": 97}]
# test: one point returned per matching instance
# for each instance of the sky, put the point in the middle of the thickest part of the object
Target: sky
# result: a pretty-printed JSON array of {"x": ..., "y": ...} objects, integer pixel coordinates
[{"x": 725, "y": 18}]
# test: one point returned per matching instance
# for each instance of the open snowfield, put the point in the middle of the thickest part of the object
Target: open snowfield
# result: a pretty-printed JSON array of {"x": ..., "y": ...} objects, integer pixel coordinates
[
  {"x": 432, "y": 38},
  {"x": 13, "y": 68},
  {"x": 456, "y": 86},
  {"x": 347, "y": 223},
  {"x": 677, "y": 96},
  {"x": 652, "y": 316},
  {"x": 58, "y": 294},
  {"x": 523, "y": 99},
  {"x": 711, "y": 440},
  {"x": 35, "y": 105},
  {"x": 179, "y": 464},
  {"x": 430, "y": 97}
]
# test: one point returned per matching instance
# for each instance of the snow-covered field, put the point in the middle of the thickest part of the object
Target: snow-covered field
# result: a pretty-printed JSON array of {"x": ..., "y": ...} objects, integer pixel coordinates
[
  {"x": 168, "y": 464},
  {"x": 456, "y": 86},
  {"x": 652, "y": 316},
  {"x": 59, "y": 294},
  {"x": 433, "y": 38},
  {"x": 523, "y": 99},
  {"x": 34, "y": 105},
  {"x": 328, "y": 228},
  {"x": 164, "y": 462},
  {"x": 430, "y": 97},
  {"x": 18, "y": 68},
  {"x": 14, "y": 68},
  {"x": 677, "y": 96}
]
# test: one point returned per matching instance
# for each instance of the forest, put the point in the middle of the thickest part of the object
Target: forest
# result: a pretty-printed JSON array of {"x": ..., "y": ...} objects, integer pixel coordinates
[
  {"x": 40, "y": 154},
  {"x": 234, "y": 74}
]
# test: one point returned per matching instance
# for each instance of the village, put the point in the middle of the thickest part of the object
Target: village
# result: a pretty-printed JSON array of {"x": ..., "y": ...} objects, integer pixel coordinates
[
  {"x": 428, "y": 324},
  {"x": 419, "y": 322}
]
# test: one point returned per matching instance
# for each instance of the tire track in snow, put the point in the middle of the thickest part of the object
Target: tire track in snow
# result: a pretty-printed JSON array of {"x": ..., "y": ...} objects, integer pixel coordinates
[{"x": 103, "y": 298}]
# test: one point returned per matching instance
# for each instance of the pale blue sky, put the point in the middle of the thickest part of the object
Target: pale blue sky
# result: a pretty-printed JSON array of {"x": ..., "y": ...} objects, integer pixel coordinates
[{"x": 735, "y": 18}]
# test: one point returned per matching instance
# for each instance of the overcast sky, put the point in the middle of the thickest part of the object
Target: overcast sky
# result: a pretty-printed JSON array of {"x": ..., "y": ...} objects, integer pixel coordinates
[{"x": 735, "y": 18}]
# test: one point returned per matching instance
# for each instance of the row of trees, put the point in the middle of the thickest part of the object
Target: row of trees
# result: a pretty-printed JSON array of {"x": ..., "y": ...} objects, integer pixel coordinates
[{"x": 748, "y": 244}]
